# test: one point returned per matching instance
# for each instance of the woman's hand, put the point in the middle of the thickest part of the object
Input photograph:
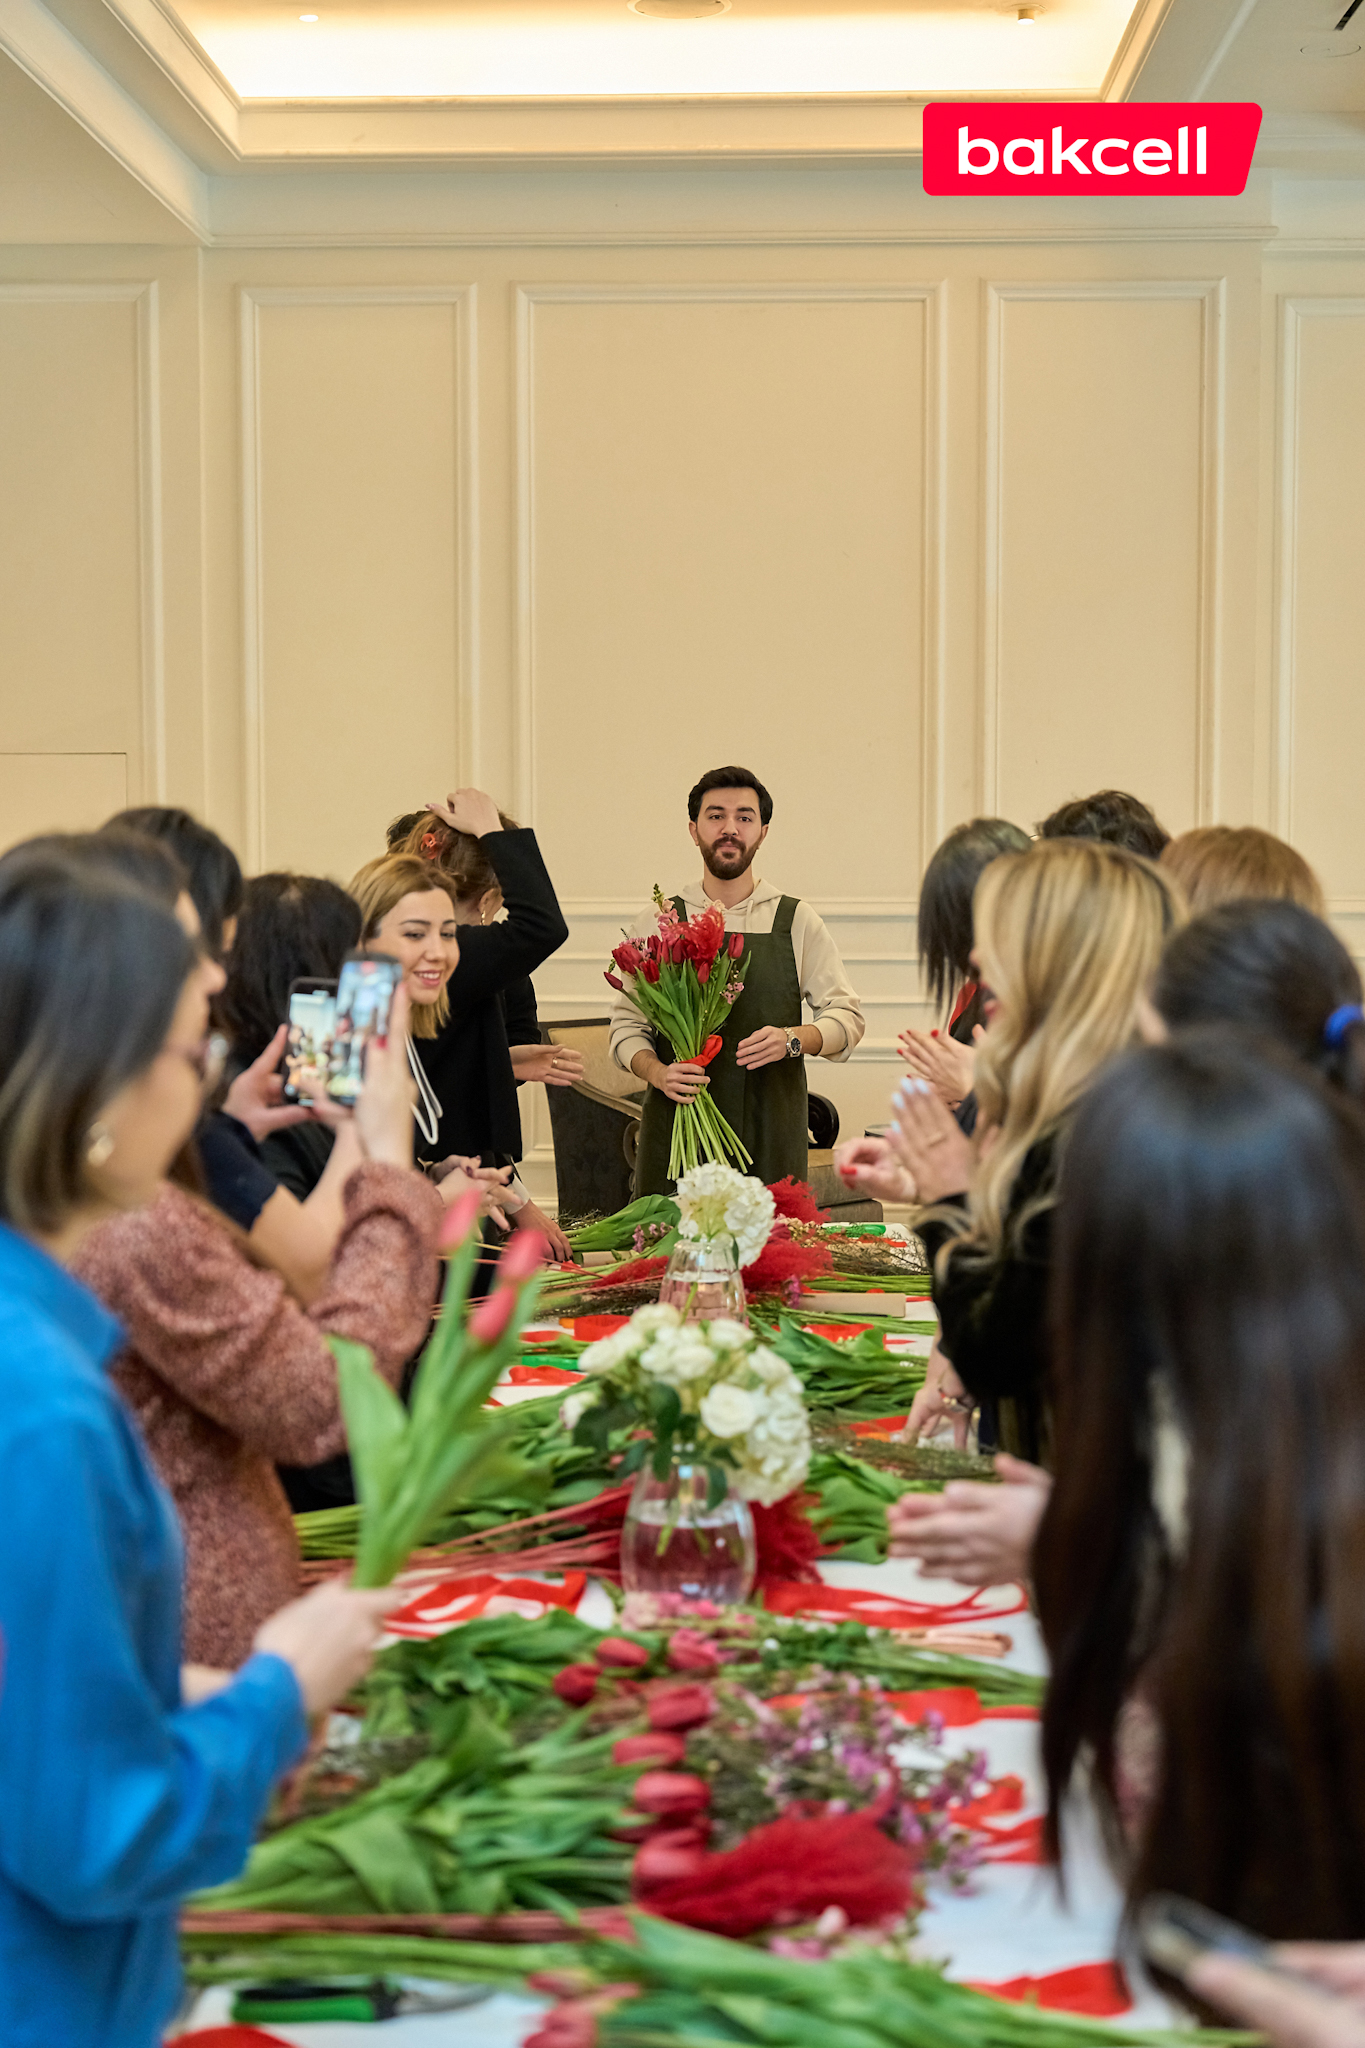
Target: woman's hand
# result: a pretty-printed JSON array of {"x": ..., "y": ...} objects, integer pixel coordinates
[
  {"x": 558, "y": 1066},
  {"x": 870, "y": 1166},
  {"x": 1329, "y": 2012},
  {"x": 456, "y": 1176},
  {"x": 530, "y": 1217},
  {"x": 471, "y": 811},
  {"x": 327, "y": 1638},
  {"x": 383, "y": 1110},
  {"x": 256, "y": 1096},
  {"x": 978, "y": 1535},
  {"x": 928, "y": 1142},
  {"x": 949, "y": 1068},
  {"x": 942, "y": 1398}
]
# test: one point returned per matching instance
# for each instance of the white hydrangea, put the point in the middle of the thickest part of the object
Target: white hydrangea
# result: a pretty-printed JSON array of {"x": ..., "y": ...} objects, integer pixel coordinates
[
  {"x": 715, "y": 1201},
  {"x": 727, "y": 1411},
  {"x": 576, "y": 1406}
]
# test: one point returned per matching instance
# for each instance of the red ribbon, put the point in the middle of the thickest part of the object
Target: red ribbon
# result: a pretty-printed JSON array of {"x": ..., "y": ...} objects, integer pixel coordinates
[
  {"x": 429, "y": 1614},
  {"x": 709, "y": 1050},
  {"x": 1100, "y": 1989},
  {"x": 881, "y": 1610},
  {"x": 543, "y": 1376},
  {"x": 229, "y": 2037},
  {"x": 957, "y": 1706}
]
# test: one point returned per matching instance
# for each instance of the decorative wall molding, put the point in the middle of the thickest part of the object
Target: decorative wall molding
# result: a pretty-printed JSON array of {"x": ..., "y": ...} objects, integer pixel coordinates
[
  {"x": 1284, "y": 595},
  {"x": 1211, "y": 296},
  {"x": 933, "y": 297},
  {"x": 143, "y": 296},
  {"x": 54, "y": 59},
  {"x": 466, "y": 681}
]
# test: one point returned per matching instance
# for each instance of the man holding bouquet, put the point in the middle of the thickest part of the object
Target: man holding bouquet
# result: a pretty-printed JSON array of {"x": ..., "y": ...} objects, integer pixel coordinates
[{"x": 756, "y": 1078}]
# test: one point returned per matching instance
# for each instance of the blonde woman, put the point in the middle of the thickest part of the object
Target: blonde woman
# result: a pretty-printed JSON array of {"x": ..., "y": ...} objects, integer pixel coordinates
[
  {"x": 1068, "y": 937},
  {"x": 1225, "y": 863}
]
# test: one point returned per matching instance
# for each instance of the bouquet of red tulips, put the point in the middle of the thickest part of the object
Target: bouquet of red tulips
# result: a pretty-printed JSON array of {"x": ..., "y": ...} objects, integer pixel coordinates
[{"x": 686, "y": 979}]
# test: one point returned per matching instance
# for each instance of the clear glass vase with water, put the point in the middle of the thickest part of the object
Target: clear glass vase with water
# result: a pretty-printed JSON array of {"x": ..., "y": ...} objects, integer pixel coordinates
[{"x": 673, "y": 1542}]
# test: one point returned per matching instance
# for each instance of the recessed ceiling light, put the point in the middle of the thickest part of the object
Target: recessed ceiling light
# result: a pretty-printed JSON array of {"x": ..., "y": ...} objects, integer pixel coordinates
[
  {"x": 308, "y": 17},
  {"x": 1027, "y": 15},
  {"x": 679, "y": 10}
]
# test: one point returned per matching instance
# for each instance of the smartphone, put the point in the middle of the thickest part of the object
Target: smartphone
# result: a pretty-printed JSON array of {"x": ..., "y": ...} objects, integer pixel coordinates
[
  {"x": 1174, "y": 1931},
  {"x": 312, "y": 1005},
  {"x": 364, "y": 997}
]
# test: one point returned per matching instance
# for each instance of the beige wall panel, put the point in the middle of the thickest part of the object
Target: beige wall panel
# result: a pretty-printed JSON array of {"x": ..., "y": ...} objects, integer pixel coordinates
[
  {"x": 1321, "y": 664},
  {"x": 1098, "y": 569},
  {"x": 724, "y": 558},
  {"x": 59, "y": 793},
  {"x": 353, "y": 578},
  {"x": 71, "y": 512}
]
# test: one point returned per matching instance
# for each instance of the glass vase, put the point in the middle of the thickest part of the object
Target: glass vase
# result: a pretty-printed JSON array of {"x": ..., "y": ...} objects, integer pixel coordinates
[
  {"x": 672, "y": 1542},
  {"x": 703, "y": 1282}
]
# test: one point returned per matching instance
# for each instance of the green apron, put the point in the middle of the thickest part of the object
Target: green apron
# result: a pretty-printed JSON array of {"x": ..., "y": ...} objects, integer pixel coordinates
[{"x": 766, "y": 1107}]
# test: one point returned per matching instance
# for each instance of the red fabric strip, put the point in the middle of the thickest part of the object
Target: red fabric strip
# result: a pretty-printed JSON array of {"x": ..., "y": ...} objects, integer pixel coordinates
[
  {"x": 229, "y": 2037},
  {"x": 588, "y": 1329},
  {"x": 543, "y": 1376},
  {"x": 430, "y": 1609},
  {"x": 880, "y": 1610},
  {"x": 1099, "y": 1989}
]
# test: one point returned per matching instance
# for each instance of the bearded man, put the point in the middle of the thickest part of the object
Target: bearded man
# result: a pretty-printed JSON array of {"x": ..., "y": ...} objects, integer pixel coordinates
[{"x": 758, "y": 1078}]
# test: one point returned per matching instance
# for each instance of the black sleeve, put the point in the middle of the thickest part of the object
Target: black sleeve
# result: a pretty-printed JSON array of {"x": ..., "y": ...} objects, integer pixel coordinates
[
  {"x": 519, "y": 1012},
  {"x": 993, "y": 1317},
  {"x": 238, "y": 1180},
  {"x": 297, "y": 1157},
  {"x": 493, "y": 955}
]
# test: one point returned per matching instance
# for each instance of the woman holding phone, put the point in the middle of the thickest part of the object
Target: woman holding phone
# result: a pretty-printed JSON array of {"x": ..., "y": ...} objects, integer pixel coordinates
[
  {"x": 129, "y": 1780},
  {"x": 230, "y": 1376}
]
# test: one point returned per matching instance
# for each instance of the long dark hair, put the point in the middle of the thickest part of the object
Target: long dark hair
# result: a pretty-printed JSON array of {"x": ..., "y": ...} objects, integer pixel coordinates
[
  {"x": 1270, "y": 967},
  {"x": 290, "y": 927},
  {"x": 213, "y": 874},
  {"x": 91, "y": 969},
  {"x": 1210, "y": 1263},
  {"x": 945, "y": 899}
]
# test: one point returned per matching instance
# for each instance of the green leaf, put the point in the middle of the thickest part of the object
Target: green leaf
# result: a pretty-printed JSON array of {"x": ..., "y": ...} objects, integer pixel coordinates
[
  {"x": 634, "y": 1458},
  {"x": 385, "y": 1857},
  {"x": 717, "y": 1485},
  {"x": 665, "y": 1408}
]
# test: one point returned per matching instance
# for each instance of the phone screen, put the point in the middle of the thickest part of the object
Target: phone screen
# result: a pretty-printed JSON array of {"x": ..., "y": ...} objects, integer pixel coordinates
[
  {"x": 364, "y": 998},
  {"x": 312, "y": 1005}
]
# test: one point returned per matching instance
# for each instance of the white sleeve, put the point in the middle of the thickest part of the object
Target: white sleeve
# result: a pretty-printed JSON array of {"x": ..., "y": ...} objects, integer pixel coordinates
[{"x": 825, "y": 986}]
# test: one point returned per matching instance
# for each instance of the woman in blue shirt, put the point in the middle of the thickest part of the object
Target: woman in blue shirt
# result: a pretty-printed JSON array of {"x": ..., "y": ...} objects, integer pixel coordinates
[{"x": 125, "y": 1783}]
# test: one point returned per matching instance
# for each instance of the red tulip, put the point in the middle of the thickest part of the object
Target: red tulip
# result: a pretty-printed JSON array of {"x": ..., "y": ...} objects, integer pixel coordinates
[
  {"x": 680, "y": 1853},
  {"x": 680, "y": 1706},
  {"x": 525, "y": 1255},
  {"x": 688, "y": 1651},
  {"x": 460, "y": 1219},
  {"x": 649, "y": 969},
  {"x": 736, "y": 947},
  {"x": 568, "y": 2026},
  {"x": 616, "y": 1650},
  {"x": 660, "y": 1749},
  {"x": 704, "y": 972},
  {"x": 614, "y": 982},
  {"x": 576, "y": 1684},
  {"x": 672, "y": 1793}
]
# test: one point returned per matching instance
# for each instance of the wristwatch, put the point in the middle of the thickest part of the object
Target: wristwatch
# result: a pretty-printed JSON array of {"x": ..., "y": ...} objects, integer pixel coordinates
[{"x": 795, "y": 1049}]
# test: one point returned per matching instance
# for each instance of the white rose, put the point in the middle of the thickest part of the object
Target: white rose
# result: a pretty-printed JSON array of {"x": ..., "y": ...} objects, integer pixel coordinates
[
  {"x": 772, "y": 1370},
  {"x": 576, "y": 1406},
  {"x": 609, "y": 1352},
  {"x": 727, "y": 1411},
  {"x": 647, "y": 1322}
]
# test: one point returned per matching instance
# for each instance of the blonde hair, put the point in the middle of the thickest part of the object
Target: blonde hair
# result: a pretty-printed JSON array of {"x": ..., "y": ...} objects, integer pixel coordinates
[
  {"x": 378, "y": 888},
  {"x": 1068, "y": 935},
  {"x": 1220, "y": 863}
]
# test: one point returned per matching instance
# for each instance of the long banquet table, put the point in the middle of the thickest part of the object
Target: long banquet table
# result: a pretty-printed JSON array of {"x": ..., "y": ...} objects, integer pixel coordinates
[{"x": 1013, "y": 1922}]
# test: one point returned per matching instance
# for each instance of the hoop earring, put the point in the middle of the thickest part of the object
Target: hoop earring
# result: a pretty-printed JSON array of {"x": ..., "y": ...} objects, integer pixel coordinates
[{"x": 99, "y": 1146}]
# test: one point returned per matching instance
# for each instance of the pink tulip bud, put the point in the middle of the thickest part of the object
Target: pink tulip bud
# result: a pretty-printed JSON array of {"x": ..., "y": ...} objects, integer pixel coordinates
[
  {"x": 680, "y": 1706},
  {"x": 460, "y": 1219},
  {"x": 492, "y": 1315},
  {"x": 617, "y": 1650},
  {"x": 525, "y": 1255},
  {"x": 678, "y": 1854},
  {"x": 688, "y": 1651},
  {"x": 662, "y": 1749},
  {"x": 671, "y": 1793}
]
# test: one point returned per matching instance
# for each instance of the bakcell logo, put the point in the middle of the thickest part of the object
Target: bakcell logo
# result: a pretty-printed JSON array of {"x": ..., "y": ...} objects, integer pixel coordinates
[{"x": 1100, "y": 149}]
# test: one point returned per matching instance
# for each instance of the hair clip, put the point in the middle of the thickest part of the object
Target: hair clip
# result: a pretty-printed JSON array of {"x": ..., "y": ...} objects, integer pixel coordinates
[{"x": 1340, "y": 1022}]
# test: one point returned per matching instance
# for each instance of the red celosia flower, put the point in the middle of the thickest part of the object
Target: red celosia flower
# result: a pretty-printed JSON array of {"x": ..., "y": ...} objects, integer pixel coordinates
[
  {"x": 787, "y": 1543},
  {"x": 680, "y": 1706},
  {"x": 617, "y": 1650},
  {"x": 689, "y": 1651},
  {"x": 576, "y": 1683},
  {"x": 675, "y": 1794},
  {"x": 783, "y": 1258},
  {"x": 796, "y": 1199},
  {"x": 791, "y": 1870},
  {"x": 637, "y": 1269},
  {"x": 661, "y": 1749}
]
